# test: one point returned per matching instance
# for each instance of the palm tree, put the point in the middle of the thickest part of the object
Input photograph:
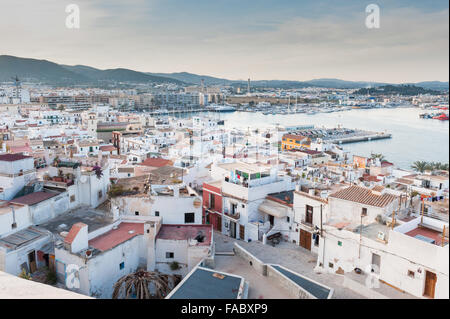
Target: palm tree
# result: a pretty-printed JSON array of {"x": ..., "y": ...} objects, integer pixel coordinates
[
  {"x": 440, "y": 166},
  {"x": 379, "y": 156},
  {"x": 145, "y": 285},
  {"x": 420, "y": 166}
]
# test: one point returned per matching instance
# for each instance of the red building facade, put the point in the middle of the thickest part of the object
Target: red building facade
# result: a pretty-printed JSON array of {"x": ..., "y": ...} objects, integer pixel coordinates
[{"x": 212, "y": 205}]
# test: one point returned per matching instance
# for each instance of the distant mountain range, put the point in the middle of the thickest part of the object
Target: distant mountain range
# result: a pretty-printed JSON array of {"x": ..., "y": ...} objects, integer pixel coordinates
[
  {"x": 46, "y": 72},
  {"x": 43, "y": 71}
]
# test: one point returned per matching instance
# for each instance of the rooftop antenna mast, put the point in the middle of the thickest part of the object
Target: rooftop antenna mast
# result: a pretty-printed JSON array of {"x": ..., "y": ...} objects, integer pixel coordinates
[
  {"x": 223, "y": 145},
  {"x": 278, "y": 147},
  {"x": 17, "y": 86},
  {"x": 191, "y": 144}
]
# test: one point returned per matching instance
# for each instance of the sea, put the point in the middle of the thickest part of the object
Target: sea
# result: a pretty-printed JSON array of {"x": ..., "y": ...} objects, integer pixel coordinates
[{"x": 413, "y": 138}]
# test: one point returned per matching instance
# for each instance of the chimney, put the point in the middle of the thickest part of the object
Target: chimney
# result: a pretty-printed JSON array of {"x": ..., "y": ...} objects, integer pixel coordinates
[
  {"x": 77, "y": 238},
  {"x": 176, "y": 191}
]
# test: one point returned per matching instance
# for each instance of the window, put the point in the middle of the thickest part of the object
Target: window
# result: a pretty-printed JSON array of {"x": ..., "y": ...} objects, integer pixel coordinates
[
  {"x": 122, "y": 265},
  {"x": 411, "y": 273},
  {"x": 288, "y": 219},
  {"x": 72, "y": 198},
  {"x": 339, "y": 243},
  {"x": 212, "y": 201},
  {"x": 189, "y": 217},
  {"x": 100, "y": 194},
  {"x": 364, "y": 211},
  {"x": 330, "y": 265},
  {"x": 169, "y": 255},
  {"x": 157, "y": 213},
  {"x": 136, "y": 213},
  {"x": 14, "y": 225},
  {"x": 309, "y": 214}
]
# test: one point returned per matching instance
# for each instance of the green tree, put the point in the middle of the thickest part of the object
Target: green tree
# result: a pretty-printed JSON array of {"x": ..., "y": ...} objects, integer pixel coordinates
[
  {"x": 420, "y": 166},
  {"x": 25, "y": 275},
  {"x": 379, "y": 156},
  {"x": 440, "y": 166}
]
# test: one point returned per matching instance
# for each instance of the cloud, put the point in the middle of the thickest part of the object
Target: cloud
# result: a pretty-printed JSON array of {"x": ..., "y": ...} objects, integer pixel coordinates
[{"x": 235, "y": 39}]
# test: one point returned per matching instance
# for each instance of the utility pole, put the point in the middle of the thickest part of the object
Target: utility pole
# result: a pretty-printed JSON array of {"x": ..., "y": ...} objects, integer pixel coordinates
[
  {"x": 321, "y": 228},
  {"x": 423, "y": 208},
  {"x": 360, "y": 238}
]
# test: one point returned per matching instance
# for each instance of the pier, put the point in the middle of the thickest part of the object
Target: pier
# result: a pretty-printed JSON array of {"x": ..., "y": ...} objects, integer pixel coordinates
[
  {"x": 362, "y": 138},
  {"x": 343, "y": 135}
]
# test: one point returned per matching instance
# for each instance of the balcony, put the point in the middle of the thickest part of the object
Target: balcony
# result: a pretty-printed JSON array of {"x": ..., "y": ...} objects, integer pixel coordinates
[
  {"x": 306, "y": 221},
  {"x": 234, "y": 216},
  {"x": 30, "y": 171},
  {"x": 58, "y": 181}
]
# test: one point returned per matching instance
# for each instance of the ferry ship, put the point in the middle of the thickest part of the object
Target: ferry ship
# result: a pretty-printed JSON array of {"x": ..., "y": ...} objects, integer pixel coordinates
[{"x": 221, "y": 108}]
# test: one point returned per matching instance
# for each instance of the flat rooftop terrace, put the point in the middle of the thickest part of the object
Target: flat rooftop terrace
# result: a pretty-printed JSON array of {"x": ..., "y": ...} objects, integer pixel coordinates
[
  {"x": 95, "y": 219},
  {"x": 428, "y": 235},
  {"x": 260, "y": 287},
  {"x": 318, "y": 291},
  {"x": 204, "y": 283}
]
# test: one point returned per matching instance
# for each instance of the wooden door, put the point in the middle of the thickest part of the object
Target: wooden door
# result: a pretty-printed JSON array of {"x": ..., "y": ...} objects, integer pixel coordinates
[
  {"x": 219, "y": 223},
  {"x": 430, "y": 284},
  {"x": 232, "y": 229},
  {"x": 51, "y": 265},
  {"x": 241, "y": 232},
  {"x": 305, "y": 239},
  {"x": 32, "y": 261}
]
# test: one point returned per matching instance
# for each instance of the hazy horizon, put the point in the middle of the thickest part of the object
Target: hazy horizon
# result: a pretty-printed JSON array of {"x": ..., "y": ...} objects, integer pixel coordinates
[{"x": 263, "y": 40}]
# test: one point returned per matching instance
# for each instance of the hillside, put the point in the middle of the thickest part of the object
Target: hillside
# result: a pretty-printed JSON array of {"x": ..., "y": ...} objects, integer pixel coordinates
[
  {"x": 42, "y": 71},
  {"x": 33, "y": 70},
  {"x": 397, "y": 90}
]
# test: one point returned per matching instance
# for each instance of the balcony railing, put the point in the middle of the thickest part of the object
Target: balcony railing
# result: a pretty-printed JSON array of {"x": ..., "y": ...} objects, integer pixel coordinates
[
  {"x": 307, "y": 222},
  {"x": 19, "y": 174}
]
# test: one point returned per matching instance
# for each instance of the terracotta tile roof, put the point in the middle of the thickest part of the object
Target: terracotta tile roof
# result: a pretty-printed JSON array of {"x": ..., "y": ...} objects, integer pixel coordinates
[
  {"x": 157, "y": 162},
  {"x": 185, "y": 232},
  {"x": 33, "y": 198},
  {"x": 294, "y": 137},
  {"x": 74, "y": 232},
  {"x": 304, "y": 194},
  {"x": 115, "y": 237},
  {"x": 378, "y": 188},
  {"x": 364, "y": 196},
  {"x": 13, "y": 157},
  {"x": 386, "y": 163},
  {"x": 310, "y": 152},
  {"x": 20, "y": 149},
  {"x": 404, "y": 181},
  {"x": 108, "y": 148}
]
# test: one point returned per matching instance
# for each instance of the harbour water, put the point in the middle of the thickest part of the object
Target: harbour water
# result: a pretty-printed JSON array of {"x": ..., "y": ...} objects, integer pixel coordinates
[{"x": 412, "y": 139}]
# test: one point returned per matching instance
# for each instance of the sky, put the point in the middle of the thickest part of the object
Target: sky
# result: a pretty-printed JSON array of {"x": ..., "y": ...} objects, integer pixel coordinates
[{"x": 237, "y": 39}]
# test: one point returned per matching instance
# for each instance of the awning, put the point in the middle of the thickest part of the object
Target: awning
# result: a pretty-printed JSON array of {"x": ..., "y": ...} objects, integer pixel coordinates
[{"x": 273, "y": 208}]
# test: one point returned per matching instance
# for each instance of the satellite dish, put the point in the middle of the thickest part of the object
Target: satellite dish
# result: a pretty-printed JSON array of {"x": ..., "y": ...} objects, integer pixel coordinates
[{"x": 83, "y": 179}]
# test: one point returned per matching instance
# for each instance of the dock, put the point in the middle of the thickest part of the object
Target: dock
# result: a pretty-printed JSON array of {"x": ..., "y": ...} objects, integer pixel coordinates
[{"x": 363, "y": 138}]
